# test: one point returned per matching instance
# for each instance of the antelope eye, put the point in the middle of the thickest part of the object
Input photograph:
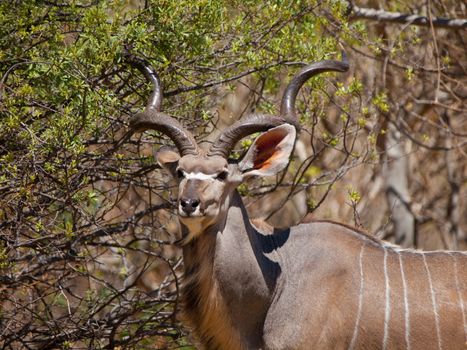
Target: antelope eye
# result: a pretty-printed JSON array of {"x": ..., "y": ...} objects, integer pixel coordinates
[
  {"x": 222, "y": 175},
  {"x": 180, "y": 174}
]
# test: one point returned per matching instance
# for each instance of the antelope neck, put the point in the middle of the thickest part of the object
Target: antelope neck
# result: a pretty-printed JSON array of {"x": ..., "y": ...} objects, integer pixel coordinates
[{"x": 232, "y": 261}]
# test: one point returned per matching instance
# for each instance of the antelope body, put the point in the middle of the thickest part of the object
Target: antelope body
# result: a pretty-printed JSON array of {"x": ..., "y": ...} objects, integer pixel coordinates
[{"x": 319, "y": 285}]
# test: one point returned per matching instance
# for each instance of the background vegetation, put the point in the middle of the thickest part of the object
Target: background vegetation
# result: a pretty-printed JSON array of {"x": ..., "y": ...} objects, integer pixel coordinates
[{"x": 86, "y": 222}]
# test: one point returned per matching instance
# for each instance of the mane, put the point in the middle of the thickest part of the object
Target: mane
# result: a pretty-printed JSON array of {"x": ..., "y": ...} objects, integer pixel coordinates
[
  {"x": 264, "y": 227},
  {"x": 360, "y": 232},
  {"x": 379, "y": 243}
]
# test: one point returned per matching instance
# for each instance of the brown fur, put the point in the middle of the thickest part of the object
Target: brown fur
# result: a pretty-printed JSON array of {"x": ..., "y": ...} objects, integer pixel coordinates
[{"x": 204, "y": 305}]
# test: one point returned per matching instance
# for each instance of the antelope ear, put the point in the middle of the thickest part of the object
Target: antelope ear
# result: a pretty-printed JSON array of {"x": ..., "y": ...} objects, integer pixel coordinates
[
  {"x": 168, "y": 159},
  {"x": 270, "y": 152}
]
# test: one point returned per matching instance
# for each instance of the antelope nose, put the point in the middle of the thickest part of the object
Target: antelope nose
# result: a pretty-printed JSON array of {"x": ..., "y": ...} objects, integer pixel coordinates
[{"x": 189, "y": 205}]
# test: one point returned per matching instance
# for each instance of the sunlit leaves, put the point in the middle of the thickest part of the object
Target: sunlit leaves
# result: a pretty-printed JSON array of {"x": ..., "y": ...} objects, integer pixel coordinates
[{"x": 381, "y": 102}]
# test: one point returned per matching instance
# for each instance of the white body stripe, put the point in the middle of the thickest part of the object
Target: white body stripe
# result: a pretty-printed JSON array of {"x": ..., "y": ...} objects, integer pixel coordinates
[
  {"x": 360, "y": 301},
  {"x": 387, "y": 312},
  {"x": 406, "y": 304},
  {"x": 433, "y": 301},
  {"x": 459, "y": 295}
]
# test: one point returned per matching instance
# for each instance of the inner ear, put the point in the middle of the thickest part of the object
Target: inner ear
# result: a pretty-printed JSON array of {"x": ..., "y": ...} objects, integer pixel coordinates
[
  {"x": 168, "y": 159},
  {"x": 270, "y": 152}
]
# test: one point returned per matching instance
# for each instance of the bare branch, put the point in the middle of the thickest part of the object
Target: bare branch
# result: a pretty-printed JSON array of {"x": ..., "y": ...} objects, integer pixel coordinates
[{"x": 396, "y": 17}]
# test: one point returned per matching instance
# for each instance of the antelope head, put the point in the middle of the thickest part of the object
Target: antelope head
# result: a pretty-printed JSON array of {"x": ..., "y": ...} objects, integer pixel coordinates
[{"x": 207, "y": 178}]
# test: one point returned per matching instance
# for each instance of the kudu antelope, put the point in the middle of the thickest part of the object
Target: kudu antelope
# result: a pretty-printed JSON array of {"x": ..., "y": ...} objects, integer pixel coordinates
[{"x": 319, "y": 285}]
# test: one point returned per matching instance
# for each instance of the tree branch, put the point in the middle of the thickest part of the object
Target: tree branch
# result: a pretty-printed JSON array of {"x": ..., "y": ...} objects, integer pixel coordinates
[{"x": 396, "y": 17}]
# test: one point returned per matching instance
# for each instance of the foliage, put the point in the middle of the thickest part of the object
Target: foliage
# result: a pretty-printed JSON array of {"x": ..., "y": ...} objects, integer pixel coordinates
[{"x": 85, "y": 221}]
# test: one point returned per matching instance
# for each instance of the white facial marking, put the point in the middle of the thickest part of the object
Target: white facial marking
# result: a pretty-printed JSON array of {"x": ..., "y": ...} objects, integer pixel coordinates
[
  {"x": 433, "y": 301},
  {"x": 360, "y": 300},
  {"x": 199, "y": 176}
]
